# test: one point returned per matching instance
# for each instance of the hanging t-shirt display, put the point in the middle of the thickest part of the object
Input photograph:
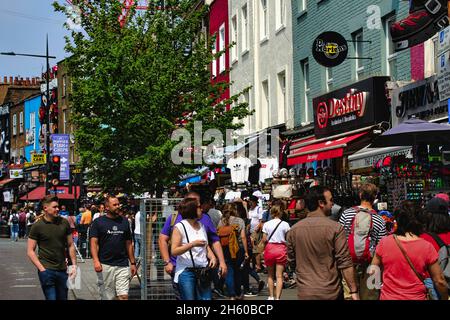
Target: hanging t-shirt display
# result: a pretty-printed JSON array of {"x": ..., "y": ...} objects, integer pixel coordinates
[
  {"x": 268, "y": 166},
  {"x": 253, "y": 176},
  {"x": 239, "y": 168}
]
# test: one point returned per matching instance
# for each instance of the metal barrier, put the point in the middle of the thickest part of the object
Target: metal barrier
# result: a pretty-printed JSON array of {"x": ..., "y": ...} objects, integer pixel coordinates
[{"x": 156, "y": 284}]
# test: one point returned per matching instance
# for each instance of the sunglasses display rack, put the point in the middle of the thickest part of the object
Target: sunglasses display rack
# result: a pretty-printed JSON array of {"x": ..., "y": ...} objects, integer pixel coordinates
[{"x": 396, "y": 192}]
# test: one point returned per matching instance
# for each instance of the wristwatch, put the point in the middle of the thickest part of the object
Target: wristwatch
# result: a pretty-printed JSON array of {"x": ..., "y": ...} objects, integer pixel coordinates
[
  {"x": 133, "y": 263},
  {"x": 166, "y": 262}
]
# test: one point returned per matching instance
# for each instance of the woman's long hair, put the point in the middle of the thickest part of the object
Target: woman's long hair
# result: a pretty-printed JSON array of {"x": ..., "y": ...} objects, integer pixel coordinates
[{"x": 228, "y": 210}]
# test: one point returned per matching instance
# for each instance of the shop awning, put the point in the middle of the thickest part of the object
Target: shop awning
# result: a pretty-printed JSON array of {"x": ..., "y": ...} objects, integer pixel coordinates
[
  {"x": 5, "y": 182},
  {"x": 322, "y": 150},
  {"x": 61, "y": 192}
]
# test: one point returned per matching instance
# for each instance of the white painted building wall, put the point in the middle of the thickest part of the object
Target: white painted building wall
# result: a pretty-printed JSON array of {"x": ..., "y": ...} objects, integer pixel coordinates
[{"x": 266, "y": 63}]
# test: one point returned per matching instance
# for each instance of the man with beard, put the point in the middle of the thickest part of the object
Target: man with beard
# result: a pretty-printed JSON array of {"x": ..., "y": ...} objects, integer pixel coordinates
[{"x": 112, "y": 251}]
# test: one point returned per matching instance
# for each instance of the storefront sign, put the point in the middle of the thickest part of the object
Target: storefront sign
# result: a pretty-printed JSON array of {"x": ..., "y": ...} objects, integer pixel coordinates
[
  {"x": 7, "y": 196},
  {"x": 39, "y": 158},
  {"x": 370, "y": 161},
  {"x": 353, "y": 107},
  {"x": 330, "y": 49},
  {"x": 15, "y": 173},
  {"x": 4, "y": 132},
  {"x": 61, "y": 148},
  {"x": 420, "y": 99},
  {"x": 444, "y": 76},
  {"x": 444, "y": 41}
]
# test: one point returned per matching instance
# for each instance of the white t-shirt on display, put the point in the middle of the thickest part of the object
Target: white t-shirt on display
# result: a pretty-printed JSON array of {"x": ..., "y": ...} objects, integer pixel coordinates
[
  {"x": 280, "y": 234},
  {"x": 239, "y": 168},
  {"x": 200, "y": 254},
  {"x": 255, "y": 215},
  {"x": 268, "y": 166}
]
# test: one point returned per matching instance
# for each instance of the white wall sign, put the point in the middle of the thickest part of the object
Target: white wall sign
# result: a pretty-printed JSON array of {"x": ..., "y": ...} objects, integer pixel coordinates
[
  {"x": 444, "y": 76},
  {"x": 16, "y": 173}
]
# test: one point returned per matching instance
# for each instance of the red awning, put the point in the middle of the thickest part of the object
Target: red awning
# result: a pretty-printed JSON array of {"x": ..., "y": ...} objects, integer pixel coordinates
[
  {"x": 322, "y": 150},
  {"x": 61, "y": 193},
  {"x": 5, "y": 182},
  {"x": 300, "y": 141}
]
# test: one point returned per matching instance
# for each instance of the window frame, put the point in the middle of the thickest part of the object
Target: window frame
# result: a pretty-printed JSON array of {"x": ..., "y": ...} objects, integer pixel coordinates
[
  {"x": 245, "y": 29},
  {"x": 21, "y": 122},
  {"x": 222, "y": 45}
]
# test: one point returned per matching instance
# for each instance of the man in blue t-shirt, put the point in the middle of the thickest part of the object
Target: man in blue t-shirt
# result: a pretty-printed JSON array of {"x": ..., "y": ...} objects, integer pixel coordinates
[
  {"x": 213, "y": 238},
  {"x": 111, "y": 249}
]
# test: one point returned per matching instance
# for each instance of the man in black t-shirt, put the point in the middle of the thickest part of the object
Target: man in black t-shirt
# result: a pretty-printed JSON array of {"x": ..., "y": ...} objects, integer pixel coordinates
[{"x": 111, "y": 249}]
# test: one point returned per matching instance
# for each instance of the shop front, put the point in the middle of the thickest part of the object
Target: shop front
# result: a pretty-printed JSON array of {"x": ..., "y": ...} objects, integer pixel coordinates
[
  {"x": 422, "y": 170},
  {"x": 345, "y": 121}
]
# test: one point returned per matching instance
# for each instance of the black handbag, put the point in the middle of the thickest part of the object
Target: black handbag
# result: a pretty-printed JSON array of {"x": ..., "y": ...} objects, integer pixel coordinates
[{"x": 202, "y": 274}]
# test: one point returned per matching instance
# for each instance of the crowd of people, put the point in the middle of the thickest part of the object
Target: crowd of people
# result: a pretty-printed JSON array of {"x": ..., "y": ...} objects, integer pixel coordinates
[
  {"x": 348, "y": 253},
  {"x": 328, "y": 254}
]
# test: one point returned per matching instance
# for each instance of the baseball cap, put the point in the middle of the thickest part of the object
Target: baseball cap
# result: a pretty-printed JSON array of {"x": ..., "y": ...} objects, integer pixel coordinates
[{"x": 444, "y": 197}]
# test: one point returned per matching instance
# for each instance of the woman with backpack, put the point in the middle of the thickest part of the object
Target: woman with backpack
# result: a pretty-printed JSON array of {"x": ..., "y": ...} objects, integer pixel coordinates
[
  {"x": 14, "y": 225},
  {"x": 406, "y": 259},
  {"x": 438, "y": 234},
  {"x": 275, "y": 251},
  {"x": 31, "y": 219},
  {"x": 232, "y": 233}
]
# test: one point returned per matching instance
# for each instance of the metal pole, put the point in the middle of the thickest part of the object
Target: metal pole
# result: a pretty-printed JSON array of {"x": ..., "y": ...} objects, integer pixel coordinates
[{"x": 47, "y": 136}]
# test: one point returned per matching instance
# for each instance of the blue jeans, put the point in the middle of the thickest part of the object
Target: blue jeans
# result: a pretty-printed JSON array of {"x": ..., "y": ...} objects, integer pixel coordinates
[
  {"x": 430, "y": 285},
  {"x": 233, "y": 279},
  {"x": 14, "y": 232},
  {"x": 190, "y": 289},
  {"x": 54, "y": 284},
  {"x": 137, "y": 245}
]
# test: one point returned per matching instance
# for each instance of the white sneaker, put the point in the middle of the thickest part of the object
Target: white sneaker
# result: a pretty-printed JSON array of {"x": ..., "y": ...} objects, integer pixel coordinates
[{"x": 270, "y": 298}]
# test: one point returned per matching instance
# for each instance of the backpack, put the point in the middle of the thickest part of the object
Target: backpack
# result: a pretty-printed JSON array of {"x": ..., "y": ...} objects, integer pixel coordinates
[
  {"x": 15, "y": 219},
  {"x": 228, "y": 238},
  {"x": 444, "y": 255},
  {"x": 22, "y": 217},
  {"x": 359, "y": 237}
]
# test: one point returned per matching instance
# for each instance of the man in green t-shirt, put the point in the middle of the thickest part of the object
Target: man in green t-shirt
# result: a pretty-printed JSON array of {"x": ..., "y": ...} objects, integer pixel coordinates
[{"x": 52, "y": 234}]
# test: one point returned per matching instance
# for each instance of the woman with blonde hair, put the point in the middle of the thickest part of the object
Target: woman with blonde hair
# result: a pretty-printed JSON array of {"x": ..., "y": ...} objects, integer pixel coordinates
[
  {"x": 232, "y": 233},
  {"x": 275, "y": 252}
]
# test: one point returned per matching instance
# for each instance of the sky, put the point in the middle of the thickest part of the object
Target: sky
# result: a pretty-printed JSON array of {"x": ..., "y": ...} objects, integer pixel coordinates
[{"x": 24, "y": 25}]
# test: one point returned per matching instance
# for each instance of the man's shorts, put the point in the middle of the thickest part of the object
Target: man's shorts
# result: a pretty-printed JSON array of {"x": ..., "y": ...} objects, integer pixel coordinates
[{"x": 113, "y": 281}]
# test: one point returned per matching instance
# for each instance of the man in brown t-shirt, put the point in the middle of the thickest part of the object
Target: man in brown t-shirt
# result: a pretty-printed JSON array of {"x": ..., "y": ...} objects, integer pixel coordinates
[
  {"x": 318, "y": 247},
  {"x": 52, "y": 234}
]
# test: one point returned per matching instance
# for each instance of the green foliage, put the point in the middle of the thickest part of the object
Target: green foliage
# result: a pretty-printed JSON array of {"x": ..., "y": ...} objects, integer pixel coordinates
[{"x": 132, "y": 84}]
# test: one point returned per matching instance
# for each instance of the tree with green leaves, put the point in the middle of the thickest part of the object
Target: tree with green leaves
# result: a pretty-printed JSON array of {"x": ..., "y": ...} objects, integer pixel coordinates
[{"x": 132, "y": 84}]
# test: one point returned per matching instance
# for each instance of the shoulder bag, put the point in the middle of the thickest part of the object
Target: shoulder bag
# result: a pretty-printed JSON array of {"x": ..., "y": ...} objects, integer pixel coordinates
[
  {"x": 429, "y": 290},
  {"x": 203, "y": 275}
]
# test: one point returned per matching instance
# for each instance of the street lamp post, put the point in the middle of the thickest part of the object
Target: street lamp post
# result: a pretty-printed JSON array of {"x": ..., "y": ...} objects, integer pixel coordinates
[{"x": 47, "y": 111}]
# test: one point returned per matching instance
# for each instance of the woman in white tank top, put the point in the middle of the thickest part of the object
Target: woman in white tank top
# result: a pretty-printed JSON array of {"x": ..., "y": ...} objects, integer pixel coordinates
[{"x": 190, "y": 246}]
